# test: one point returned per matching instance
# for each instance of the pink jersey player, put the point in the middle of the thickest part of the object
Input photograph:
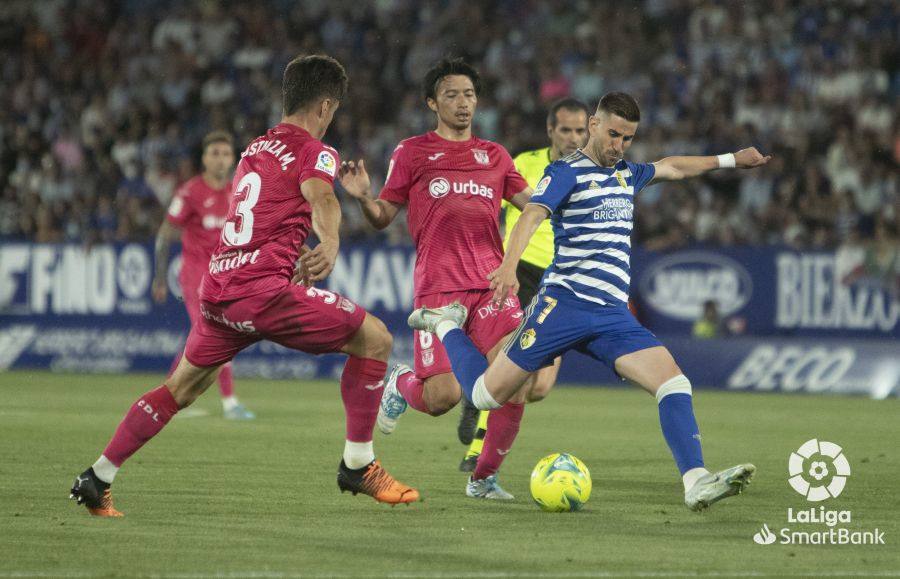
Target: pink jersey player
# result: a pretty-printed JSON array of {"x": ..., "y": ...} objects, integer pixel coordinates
[
  {"x": 452, "y": 185},
  {"x": 452, "y": 191},
  {"x": 283, "y": 187},
  {"x": 197, "y": 213}
]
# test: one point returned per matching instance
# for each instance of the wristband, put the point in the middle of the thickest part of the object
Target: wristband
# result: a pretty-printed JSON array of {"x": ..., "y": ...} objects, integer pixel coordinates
[{"x": 726, "y": 161}]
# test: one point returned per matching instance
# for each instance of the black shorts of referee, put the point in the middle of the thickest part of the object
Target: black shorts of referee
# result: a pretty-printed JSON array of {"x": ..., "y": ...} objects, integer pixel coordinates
[{"x": 529, "y": 276}]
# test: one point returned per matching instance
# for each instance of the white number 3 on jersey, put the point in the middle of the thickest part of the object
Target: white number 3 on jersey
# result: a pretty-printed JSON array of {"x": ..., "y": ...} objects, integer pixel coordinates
[{"x": 248, "y": 187}]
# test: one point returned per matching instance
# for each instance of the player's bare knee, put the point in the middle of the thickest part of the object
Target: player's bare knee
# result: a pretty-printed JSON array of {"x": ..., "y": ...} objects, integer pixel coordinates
[
  {"x": 538, "y": 393},
  {"x": 542, "y": 385},
  {"x": 381, "y": 343},
  {"x": 372, "y": 340},
  {"x": 443, "y": 402},
  {"x": 441, "y": 394},
  {"x": 520, "y": 397}
]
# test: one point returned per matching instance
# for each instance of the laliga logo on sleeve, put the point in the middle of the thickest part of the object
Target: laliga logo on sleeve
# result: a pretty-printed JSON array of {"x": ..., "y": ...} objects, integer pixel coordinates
[
  {"x": 541, "y": 186},
  {"x": 438, "y": 187},
  {"x": 811, "y": 467},
  {"x": 326, "y": 163}
]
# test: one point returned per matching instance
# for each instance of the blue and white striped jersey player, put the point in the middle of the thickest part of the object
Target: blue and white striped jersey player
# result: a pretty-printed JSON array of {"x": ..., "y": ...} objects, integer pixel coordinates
[{"x": 582, "y": 303}]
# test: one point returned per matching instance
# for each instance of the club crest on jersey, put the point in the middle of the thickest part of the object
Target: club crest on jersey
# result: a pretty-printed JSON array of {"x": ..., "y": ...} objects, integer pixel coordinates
[
  {"x": 541, "y": 186},
  {"x": 528, "y": 338},
  {"x": 621, "y": 180},
  {"x": 326, "y": 163},
  {"x": 428, "y": 357},
  {"x": 481, "y": 157}
]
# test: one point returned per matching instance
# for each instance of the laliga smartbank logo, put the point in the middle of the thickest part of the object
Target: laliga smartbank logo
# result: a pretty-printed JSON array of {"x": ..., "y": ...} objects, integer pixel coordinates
[
  {"x": 818, "y": 470},
  {"x": 813, "y": 464}
]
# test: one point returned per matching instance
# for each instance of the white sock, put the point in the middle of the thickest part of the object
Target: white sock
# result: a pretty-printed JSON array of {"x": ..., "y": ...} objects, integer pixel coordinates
[
  {"x": 691, "y": 477},
  {"x": 105, "y": 470},
  {"x": 358, "y": 454},
  {"x": 443, "y": 327},
  {"x": 481, "y": 398},
  {"x": 677, "y": 385},
  {"x": 229, "y": 402}
]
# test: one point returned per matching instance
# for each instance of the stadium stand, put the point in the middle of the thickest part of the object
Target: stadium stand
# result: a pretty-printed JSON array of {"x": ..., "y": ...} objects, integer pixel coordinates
[{"x": 102, "y": 113}]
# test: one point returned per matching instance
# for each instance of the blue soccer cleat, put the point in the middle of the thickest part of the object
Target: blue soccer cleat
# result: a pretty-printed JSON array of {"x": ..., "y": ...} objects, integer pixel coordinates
[
  {"x": 487, "y": 488},
  {"x": 392, "y": 402}
]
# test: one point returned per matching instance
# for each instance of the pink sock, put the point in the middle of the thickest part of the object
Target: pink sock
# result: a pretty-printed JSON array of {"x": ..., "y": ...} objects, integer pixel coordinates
[
  {"x": 144, "y": 420},
  {"x": 361, "y": 392},
  {"x": 503, "y": 426},
  {"x": 412, "y": 389},
  {"x": 226, "y": 381}
]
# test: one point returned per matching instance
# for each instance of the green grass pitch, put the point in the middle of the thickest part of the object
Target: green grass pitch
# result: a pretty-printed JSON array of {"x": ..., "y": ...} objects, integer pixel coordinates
[{"x": 210, "y": 497}]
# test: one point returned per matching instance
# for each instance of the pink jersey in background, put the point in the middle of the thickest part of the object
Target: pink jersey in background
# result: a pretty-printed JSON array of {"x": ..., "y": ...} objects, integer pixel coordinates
[
  {"x": 452, "y": 190},
  {"x": 199, "y": 211}
]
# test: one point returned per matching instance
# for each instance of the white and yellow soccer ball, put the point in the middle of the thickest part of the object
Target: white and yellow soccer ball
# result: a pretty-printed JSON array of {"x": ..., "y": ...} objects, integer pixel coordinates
[{"x": 560, "y": 482}]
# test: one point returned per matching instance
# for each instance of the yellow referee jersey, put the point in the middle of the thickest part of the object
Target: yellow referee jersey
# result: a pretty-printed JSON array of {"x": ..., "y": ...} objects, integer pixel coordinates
[{"x": 531, "y": 165}]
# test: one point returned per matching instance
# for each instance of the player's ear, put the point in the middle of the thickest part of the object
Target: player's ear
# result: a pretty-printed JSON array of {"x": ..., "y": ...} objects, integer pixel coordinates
[{"x": 432, "y": 104}]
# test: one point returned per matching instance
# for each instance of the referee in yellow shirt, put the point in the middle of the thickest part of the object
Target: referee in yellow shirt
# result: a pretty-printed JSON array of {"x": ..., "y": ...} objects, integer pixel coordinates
[{"x": 567, "y": 124}]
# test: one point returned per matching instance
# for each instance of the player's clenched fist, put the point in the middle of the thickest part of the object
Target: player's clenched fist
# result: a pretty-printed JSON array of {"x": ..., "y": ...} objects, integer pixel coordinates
[
  {"x": 749, "y": 158},
  {"x": 354, "y": 179}
]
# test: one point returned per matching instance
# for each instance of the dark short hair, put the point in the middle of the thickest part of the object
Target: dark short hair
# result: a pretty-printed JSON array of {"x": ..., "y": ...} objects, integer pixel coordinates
[
  {"x": 449, "y": 67},
  {"x": 217, "y": 137},
  {"x": 308, "y": 79},
  {"x": 621, "y": 104},
  {"x": 570, "y": 104}
]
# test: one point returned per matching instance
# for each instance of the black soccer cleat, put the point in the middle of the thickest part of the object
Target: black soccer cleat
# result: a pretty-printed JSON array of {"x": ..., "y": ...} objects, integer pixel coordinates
[
  {"x": 93, "y": 493},
  {"x": 374, "y": 481},
  {"x": 468, "y": 422},
  {"x": 468, "y": 463}
]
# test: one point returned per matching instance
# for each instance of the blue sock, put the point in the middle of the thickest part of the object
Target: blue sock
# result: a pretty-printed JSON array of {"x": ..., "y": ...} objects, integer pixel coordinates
[
  {"x": 676, "y": 416},
  {"x": 465, "y": 359}
]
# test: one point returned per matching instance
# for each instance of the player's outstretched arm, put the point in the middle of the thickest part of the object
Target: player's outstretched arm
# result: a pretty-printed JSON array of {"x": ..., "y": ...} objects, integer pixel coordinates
[
  {"x": 677, "y": 168},
  {"x": 164, "y": 237},
  {"x": 503, "y": 279},
  {"x": 326, "y": 221},
  {"x": 355, "y": 180}
]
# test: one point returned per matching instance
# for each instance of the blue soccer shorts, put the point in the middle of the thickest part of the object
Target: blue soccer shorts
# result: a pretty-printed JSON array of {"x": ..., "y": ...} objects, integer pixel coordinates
[{"x": 557, "y": 321}]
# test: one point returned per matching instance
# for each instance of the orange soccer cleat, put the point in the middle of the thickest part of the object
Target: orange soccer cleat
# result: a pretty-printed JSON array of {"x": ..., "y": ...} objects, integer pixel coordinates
[
  {"x": 376, "y": 482},
  {"x": 93, "y": 493}
]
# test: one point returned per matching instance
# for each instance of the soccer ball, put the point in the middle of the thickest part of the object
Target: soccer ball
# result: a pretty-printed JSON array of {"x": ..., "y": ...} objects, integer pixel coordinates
[{"x": 560, "y": 482}]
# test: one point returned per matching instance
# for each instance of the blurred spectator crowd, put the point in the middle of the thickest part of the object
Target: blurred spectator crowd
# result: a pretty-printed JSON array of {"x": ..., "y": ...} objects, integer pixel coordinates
[{"x": 103, "y": 103}]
